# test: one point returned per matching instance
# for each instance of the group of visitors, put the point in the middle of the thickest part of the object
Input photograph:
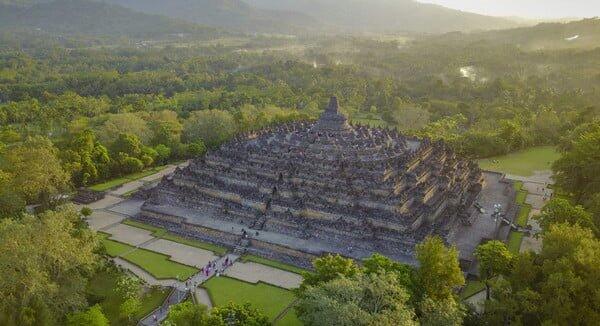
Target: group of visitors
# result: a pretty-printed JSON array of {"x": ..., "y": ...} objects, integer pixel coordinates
[{"x": 212, "y": 267}]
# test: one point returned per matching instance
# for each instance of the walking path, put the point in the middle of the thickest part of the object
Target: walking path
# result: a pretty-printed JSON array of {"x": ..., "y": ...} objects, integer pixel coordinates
[{"x": 183, "y": 289}]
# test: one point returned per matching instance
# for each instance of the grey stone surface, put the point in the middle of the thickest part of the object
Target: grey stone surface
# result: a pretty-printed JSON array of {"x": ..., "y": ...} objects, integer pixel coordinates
[
  {"x": 254, "y": 273},
  {"x": 101, "y": 219},
  {"x": 129, "y": 234}
]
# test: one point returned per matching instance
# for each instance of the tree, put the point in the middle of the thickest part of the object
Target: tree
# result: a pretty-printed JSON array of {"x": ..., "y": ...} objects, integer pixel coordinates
[
  {"x": 494, "y": 259},
  {"x": 91, "y": 317},
  {"x": 123, "y": 123},
  {"x": 188, "y": 314},
  {"x": 238, "y": 315},
  {"x": 327, "y": 268},
  {"x": 44, "y": 262},
  {"x": 378, "y": 263},
  {"x": 439, "y": 271},
  {"x": 576, "y": 171},
  {"x": 441, "y": 312},
  {"x": 35, "y": 170},
  {"x": 366, "y": 299},
  {"x": 557, "y": 287},
  {"x": 11, "y": 202},
  {"x": 213, "y": 127},
  {"x": 559, "y": 210},
  {"x": 130, "y": 307}
]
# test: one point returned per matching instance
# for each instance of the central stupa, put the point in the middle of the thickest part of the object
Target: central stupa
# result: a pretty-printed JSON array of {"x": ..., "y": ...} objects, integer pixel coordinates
[{"x": 299, "y": 190}]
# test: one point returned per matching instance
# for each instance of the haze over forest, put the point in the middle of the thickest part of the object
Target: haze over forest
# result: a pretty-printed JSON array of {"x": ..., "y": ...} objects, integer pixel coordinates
[{"x": 101, "y": 100}]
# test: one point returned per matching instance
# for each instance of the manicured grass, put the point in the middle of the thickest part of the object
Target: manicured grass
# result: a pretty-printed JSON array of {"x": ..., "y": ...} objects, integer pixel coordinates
[
  {"x": 289, "y": 319},
  {"x": 270, "y": 299},
  {"x": 159, "y": 265},
  {"x": 517, "y": 185},
  {"x": 110, "y": 184},
  {"x": 523, "y": 216},
  {"x": 272, "y": 263},
  {"x": 194, "y": 243},
  {"x": 114, "y": 248},
  {"x": 471, "y": 288},
  {"x": 521, "y": 196},
  {"x": 514, "y": 241},
  {"x": 101, "y": 290},
  {"x": 164, "y": 234},
  {"x": 522, "y": 163}
]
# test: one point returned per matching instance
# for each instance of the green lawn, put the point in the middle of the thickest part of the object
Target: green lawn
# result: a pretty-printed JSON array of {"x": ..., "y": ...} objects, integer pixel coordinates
[
  {"x": 114, "y": 248},
  {"x": 523, "y": 216},
  {"x": 472, "y": 287},
  {"x": 159, "y": 265},
  {"x": 290, "y": 319},
  {"x": 522, "y": 163},
  {"x": 273, "y": 263},
  {"x": 164, "y": 234},
  {"x": 101, "y": 291},
  {"x": 514, "y": 241},
  {"x": 270, "y": 299},
  {"x": 110, "y": 184}
]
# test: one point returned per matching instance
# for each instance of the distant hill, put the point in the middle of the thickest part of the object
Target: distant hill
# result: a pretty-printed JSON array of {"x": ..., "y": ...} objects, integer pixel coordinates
[
  {"x": 231, "y": 14},
  {"x": 388, "y": 15},
  {"x": 91, "y": 17},
  {"x": 576, "y": 34}
]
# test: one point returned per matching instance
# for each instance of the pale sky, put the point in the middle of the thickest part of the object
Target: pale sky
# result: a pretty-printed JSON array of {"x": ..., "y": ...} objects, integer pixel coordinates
[{"x": 526, "y": 8}]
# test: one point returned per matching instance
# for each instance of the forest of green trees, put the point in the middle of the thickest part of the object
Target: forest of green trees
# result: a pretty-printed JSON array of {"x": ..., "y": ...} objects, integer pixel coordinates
[{"x": 73, "y": 114}]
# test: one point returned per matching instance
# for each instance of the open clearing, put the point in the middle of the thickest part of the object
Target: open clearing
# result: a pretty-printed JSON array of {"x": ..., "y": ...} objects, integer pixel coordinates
[
  {"x": 523, "y": 163},
  {"x": 270, "y": 299}
]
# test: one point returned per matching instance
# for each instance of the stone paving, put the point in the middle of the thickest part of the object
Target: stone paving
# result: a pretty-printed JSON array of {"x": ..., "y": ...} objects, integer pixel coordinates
[
  {"x": 181, "y": 253},
  {"x": 127, "y": 187},
  {"x": 254, "y": 273},
  {"x": 107, "y": 216},
  {"x": 102, "y": 219},
  {"x": 106, "y": 202},
  {"x": 159, "y": 314},
  {"x": 129, "y": 234},
  {"x": 202, "y": 297}
]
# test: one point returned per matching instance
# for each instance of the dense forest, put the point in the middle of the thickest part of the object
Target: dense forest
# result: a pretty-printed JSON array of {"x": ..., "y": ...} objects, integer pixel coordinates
[{"x": 80, "y": 108}]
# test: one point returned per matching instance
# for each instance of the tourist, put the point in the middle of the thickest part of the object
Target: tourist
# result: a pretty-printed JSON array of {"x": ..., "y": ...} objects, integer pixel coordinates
[{"x": 154, "y": 317}]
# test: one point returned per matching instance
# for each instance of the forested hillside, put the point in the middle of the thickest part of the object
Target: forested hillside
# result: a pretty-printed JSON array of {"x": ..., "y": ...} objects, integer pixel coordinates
[
  {"x": 388, "y": 15},
  {"x": 93, "y": 18},
  {"x": 232, "y": 14}
]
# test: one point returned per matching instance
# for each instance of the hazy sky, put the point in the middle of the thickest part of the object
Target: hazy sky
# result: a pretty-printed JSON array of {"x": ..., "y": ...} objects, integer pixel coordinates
[{"x": 526, "y": 8}]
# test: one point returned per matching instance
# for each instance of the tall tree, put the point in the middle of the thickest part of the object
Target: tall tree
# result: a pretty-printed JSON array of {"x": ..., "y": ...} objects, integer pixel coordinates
[
  {"x": 329, "y": 267},
  {"x": 44, "y": 263},
  {"x": 439, "y": 273},
  {"x": 37, "y": 173},
  {"x": 494, "y": 260},
  {"x": 367, "y": 299}
]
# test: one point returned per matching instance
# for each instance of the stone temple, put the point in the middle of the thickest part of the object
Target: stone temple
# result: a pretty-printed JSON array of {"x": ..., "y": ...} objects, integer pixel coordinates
[{"x": 300, "y": 190}]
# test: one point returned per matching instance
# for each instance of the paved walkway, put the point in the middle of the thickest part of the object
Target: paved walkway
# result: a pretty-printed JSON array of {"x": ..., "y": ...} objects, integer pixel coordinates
[
  {"x": 254, "y": 273},
  {"x": 182, "y": 290}
]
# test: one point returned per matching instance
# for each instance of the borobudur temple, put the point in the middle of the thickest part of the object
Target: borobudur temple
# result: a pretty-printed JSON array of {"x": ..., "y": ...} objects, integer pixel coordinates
[{"x": 300, "y": 190}]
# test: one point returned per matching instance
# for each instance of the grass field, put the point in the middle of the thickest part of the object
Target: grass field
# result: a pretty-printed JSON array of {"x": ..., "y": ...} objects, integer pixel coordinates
[
  {"x": 270, "y": 299},
  {"x": 164, "y": 234},
  {"x": 101, "y": 290},
  {"x": 275, "y": 264},
  {"x": 114, "y": 248},
  {"x": 159, "y": 265},
  {"x": 472, "y": 287},
  {"x": 514, "y": 241},
  {"x": 107, "y": 185},
  {"x": 523, "y": 163}
]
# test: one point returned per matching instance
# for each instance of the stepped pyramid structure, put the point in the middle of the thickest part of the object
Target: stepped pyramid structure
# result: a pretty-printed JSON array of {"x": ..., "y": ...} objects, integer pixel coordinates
[{"x": 299, "y": 190}]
